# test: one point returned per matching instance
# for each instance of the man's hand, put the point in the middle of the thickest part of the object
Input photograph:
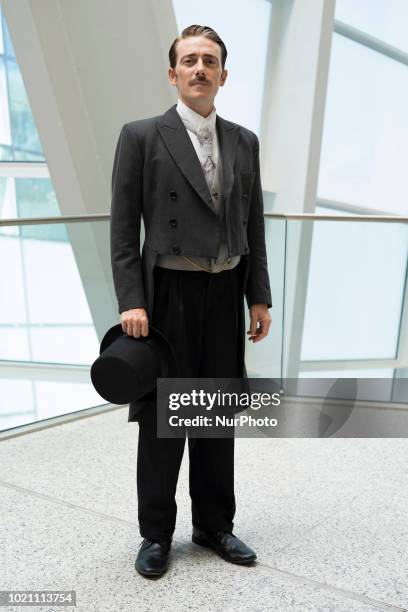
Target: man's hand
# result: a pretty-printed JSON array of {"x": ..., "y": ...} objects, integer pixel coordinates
[
  {"x": 259, "y": 314},
  {"x": 134, "y": 322}
]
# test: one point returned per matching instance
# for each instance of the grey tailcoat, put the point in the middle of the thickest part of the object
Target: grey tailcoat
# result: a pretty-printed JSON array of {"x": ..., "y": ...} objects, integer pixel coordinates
[{"x": 157, "y": 176}]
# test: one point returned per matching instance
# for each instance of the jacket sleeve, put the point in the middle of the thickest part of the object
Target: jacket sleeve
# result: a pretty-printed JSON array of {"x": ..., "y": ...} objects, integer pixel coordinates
[
  {"x": 257, "y": 289},
  {"x": 126, "y": 208}
]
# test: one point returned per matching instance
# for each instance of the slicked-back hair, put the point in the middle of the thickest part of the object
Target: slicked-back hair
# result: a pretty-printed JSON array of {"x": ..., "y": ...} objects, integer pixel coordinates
[{"x": 197, "y": 30}]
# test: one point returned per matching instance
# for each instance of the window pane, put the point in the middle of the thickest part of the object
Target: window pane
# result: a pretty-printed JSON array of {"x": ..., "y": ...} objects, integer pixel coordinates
[
  {"x": 353, "y": 304},
  {"x": 12, "y": 307},
  {"x": 1, "y": 34},
  {"x": 8, "y": 47},
  {"x": 365, "y": 138},
  {"x": 8, "y": 206},
  {"x": 25, "y": 137},
  {"x": 30, "y": 197},
  {"x": 5, "y": 134},
  {"x": 35, "y": 197},
  {"x": 384, "y": 19},
  {"x": 241, "y": 97},
  {"x": 27, "y": 401},
  {"x": 44, "y": 313}
]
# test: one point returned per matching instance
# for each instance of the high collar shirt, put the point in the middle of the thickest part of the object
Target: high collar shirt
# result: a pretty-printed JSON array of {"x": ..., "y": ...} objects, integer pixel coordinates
[{"x": 194, "y": 122}]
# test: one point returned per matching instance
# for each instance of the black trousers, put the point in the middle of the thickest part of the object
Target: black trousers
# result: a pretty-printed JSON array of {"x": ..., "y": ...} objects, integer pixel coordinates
[{"x": 200, "y": 314}]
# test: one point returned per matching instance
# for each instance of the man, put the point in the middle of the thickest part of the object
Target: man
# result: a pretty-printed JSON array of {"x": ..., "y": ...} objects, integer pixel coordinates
[{"x": 195, "y": 179}]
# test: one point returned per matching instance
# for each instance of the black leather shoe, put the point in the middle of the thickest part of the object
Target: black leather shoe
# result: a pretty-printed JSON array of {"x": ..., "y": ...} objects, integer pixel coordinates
[
  {"x": 226, "y": 545},
  {"x": 153, "y": 557}
]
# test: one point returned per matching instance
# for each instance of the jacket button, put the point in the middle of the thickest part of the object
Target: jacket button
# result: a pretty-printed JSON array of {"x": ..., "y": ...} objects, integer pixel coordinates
[
  {"x": 244, "y": 222},
  {"x": 173, "y": 195},
  {"x": 245, "y": 196},
  {"x": 173, "y": 222},
  {"x": 176, "y": 250}
]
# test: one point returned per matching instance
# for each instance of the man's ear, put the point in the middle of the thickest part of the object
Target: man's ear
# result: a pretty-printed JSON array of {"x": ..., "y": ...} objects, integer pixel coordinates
[
  {"x": 172, "y": 76},
  {"x": 223, "y": 77}
]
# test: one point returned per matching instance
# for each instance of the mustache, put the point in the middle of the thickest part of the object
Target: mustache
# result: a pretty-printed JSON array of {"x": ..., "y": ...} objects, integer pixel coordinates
[{"x": 200, "y": 81}]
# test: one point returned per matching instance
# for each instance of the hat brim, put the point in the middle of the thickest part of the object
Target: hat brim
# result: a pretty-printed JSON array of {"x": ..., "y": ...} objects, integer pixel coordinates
[{"x": 169, "y": 358}]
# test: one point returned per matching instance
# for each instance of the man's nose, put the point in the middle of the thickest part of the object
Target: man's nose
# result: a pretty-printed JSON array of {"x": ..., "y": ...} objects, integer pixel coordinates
[{"x": 200, "y": 66}]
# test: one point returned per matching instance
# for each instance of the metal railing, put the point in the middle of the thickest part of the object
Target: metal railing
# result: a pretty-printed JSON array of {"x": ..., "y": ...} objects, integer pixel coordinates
[{"x": 288, "y": 216}]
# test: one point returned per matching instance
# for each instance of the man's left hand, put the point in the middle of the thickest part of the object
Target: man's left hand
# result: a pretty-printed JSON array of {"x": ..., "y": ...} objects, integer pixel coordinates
[{"x": 259, "y": 313}]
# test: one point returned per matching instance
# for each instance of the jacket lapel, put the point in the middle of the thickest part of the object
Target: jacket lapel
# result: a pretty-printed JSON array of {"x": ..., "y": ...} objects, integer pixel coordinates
[{"x": 180, "y": 147}]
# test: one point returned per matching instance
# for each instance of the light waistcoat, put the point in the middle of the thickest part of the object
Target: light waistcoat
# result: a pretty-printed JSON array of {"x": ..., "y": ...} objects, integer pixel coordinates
[{"x": 194, "y": 120}]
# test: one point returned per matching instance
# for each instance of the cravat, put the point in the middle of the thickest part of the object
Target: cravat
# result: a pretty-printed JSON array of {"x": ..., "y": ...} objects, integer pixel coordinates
[{"x": 205, "y": 138}]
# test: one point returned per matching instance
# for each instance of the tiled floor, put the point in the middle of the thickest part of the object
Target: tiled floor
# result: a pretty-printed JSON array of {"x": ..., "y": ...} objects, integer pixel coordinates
[{"x": 327, "y": 518}]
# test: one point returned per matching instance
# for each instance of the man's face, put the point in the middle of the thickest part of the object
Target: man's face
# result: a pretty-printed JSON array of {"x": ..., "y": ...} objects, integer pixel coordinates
[{"x": 198, "y": 73}]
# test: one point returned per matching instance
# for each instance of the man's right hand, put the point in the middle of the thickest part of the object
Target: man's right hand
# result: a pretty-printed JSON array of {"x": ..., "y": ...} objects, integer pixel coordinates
[{"x": 134, "y": 322}]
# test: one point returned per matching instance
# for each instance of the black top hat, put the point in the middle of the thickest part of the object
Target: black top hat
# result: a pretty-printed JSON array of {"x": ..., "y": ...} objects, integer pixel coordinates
[{"x": 127, "y": 367}]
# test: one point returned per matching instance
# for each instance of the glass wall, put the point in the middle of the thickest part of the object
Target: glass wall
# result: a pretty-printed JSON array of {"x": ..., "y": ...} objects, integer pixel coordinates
[
  {"x": 365, "y": 138},
  {"x": 25, "y": 187},
  {"x": 338, "y": 288},
  {"x": 353, "y": 303},
  {"x": 357, "y": 293},
  {"x": 19, "y": 139},
  {"x": 48, "y": 339},
  {"x": 385, "y": 19},
  {"x": 47, "y": 333}
]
